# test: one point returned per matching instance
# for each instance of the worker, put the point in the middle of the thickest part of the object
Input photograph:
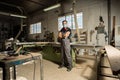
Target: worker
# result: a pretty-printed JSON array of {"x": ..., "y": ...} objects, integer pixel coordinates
[{"x": 64, "y": 39}]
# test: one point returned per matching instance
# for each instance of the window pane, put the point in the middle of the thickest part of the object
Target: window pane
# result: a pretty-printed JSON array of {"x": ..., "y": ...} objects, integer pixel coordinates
[
  {"x": 73, "y": 23},
  {"x": 35, "y": 28},
  {"x": 38, "y": 28},
  {"x": 31, "y": 28},
  {"x": 68, "y": 18},
  {"x": 80, "y": 20}
]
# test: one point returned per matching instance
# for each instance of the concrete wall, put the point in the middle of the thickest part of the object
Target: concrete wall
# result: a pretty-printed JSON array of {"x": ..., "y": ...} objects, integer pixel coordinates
[{"x": 91, "y": 9}]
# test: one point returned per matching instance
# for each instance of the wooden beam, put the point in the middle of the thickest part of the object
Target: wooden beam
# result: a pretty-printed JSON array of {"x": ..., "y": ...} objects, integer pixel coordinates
[
  {"x": 75, "y": 19},
  {"x": 114, "y": 58}
]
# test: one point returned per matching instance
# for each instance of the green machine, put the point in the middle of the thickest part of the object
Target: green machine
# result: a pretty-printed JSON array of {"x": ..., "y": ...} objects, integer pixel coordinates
[{"x": 50, "y": 50}]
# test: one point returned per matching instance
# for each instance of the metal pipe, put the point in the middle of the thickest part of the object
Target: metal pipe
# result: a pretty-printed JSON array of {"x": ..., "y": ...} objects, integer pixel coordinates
[{"x": 109, "y": 20}]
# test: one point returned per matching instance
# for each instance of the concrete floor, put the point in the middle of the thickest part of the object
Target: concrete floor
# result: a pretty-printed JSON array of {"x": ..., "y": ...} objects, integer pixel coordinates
[{"x": 85, "y": 69}]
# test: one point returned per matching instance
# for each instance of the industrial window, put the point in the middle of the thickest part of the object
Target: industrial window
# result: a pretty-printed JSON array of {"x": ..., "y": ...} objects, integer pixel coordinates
[
  {"x": 35, "y": 28},
  {"x": 70, "y": 19}
]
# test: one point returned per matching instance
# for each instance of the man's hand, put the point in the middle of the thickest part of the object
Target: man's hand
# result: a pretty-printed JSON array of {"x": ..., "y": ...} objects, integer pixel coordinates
[
  {"x": 59, "y": 35},
  {"x": 66, "y": 34}
]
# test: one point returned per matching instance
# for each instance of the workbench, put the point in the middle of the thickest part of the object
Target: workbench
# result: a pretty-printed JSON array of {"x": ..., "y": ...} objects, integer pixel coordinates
[
  {"x": 48, "y": 49},
  {"x": 8, "y": 62}
]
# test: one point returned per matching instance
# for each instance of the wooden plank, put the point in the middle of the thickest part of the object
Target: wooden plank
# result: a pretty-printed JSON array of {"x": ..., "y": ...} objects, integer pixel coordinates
[{"x": 114, "y": 58}]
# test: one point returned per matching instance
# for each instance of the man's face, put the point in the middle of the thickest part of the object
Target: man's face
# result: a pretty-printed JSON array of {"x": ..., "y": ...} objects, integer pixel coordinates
[{"x": 64, "y": 24}]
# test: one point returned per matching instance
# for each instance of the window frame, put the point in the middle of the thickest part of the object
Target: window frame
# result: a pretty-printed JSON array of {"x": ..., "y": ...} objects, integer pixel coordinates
[{"x": 71, "y": 23}]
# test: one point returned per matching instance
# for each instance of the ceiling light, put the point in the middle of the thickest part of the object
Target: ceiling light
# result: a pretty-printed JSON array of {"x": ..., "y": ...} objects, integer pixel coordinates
[
  {"x": 20, "y": 16},
  {"x": 13, "y": 15},
  {"x": 52, "y": 7}
]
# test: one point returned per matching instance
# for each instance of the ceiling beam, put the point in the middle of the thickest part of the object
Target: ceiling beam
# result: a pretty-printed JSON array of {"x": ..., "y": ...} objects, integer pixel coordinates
[
  {"x": 38, "y": 3},
  {"x": 12, "y": 5},
  {"x": 8, "y": 4}
]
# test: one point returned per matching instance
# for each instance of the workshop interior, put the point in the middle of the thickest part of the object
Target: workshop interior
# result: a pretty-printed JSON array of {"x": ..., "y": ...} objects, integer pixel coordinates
[{"x": 36, "y": 44}]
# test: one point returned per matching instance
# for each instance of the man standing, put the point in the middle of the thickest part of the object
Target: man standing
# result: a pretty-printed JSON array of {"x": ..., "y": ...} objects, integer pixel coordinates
[{"x": 64, "y": 38}]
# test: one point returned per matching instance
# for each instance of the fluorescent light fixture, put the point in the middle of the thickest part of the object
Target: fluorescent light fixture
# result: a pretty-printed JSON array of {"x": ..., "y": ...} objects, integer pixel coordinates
[
  {"x": 20, "y": 16},
  {"x": 52, "y": 7},
  {"x": 13, "y": 15},
  {"x": 3, "y": 13}
]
